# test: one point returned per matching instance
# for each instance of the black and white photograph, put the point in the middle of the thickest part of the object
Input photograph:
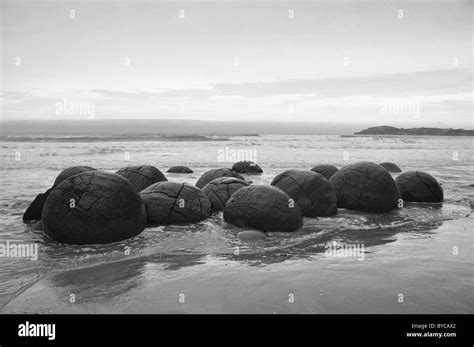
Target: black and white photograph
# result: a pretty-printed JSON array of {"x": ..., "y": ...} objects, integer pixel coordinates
[{"x": 235, "y": 157}]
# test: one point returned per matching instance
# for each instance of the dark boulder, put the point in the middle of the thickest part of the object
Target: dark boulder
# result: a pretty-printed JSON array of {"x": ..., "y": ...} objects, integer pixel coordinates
[
  {"x": 365, "y": 186},
  {"x": 71, "y": 171},
  {"x": 180, "y": 169},
  {"x": 93, "y": 207},
  {"x": 263, "y": 207},
  {"x": 419, "y": 186},
  {"x": 247, "y": 167},
  {"x": 325, "y": 170},
  {"x": 312, "y": 192},
  {"x": 33, "y": 212},
  {"x": 210, "y": 175},
  {"x": 175, "y": 203},
  {"x": 221, "y": 189},
  {"x": 390, "y": 167},
  {"x": 142, "y": 176}
]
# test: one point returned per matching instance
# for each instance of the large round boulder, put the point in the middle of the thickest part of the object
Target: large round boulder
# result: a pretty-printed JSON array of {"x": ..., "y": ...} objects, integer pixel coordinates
[
  {"x": 221, "y": 189},
  {"x": 312, "y": 192},
  {"x": 93, "y": 207},
  {"x": 179, "y": 169},
  {"x": 390, "y": 167},
  {"x": 247, "y": 167},
  {"x": 175, "y": 203},
  {"x": 142, "y": 176},
  {"x": 210, "y": 175},
  {"x": 263, "y": 207},
  {"x": 325, "y": 170},
  {"x": 33, "y": 212},
  {"x": 419, "y": 186},
  {"x": 71, "y": 171},
  {"x": 365, "y": 186}
]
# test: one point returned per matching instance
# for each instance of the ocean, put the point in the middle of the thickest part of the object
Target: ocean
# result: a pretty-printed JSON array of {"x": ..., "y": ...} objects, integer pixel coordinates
[{"x": 416, "y": 260}]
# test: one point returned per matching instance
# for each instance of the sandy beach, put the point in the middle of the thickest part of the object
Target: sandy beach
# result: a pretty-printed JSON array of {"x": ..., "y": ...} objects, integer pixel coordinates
[{"x": 187, "y": 284}]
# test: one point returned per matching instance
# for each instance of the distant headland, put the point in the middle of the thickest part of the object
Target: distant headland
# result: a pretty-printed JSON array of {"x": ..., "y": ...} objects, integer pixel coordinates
[{"x": 388, "y": 130}]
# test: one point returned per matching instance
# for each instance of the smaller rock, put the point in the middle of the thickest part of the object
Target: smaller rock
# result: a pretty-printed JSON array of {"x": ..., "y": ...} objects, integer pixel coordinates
[
  {"x": 142, "y": 176},
  {"x": 247, "y": 167},
  {"x": 251, "y": 236},
  {"x": 180, "y": 169},
  {"x": 221, "y": 189},
  {"x": 210, "y": 175},
  {"x": 175, "y": 203},
  {"x": 33, "y": 212},
  {"x": 419, "y": 186},
  {"x": 311, "y": 191},
  {"x": 365, "y": 186},
  {"x": 266, "y": 208},
  {"x": 325, "y": 170},
  {"x": 390, "y": 167}
]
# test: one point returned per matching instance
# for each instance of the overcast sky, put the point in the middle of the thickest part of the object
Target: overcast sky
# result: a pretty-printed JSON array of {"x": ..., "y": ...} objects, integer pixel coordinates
[{"x": 336, "y": 61}]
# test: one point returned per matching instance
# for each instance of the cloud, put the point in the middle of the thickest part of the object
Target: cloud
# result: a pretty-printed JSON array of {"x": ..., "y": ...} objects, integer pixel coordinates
[
  {"x": 420, "y": 83},
  {"x": 13, "y": 95},
  {"x": 122, "y": 94}
]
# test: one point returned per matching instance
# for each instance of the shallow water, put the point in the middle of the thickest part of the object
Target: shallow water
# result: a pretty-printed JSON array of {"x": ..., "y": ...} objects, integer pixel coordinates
[{"x": 405, "y": 251}]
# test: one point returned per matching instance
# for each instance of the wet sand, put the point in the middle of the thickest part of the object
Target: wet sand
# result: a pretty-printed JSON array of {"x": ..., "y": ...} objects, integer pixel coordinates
[{"x": 212, "y": 284}]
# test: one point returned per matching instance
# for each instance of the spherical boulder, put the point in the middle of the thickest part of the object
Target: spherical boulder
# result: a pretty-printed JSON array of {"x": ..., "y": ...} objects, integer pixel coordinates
[
  {"x": 142, "y": 176},
  {"x": 71, "y": 171},
  {"x": 93, "y": 207},
  {"x": 312, "y": 192},
  {"x": 325, "y": 170},
  {"x": 33, "y": 212},
  {"x": 175, "y": 203},
  {"x": 263, "y": 207},
  {"x": 419, "y": 186},
  {"x": 390, "y": 167},
  {"x": 210, "y": 175},
  {"x": 247, "y": 167},
  {"x": 365, "y": 186},
  {"x": 221, "y": 189},
  {"x": 180, "y": 169}
]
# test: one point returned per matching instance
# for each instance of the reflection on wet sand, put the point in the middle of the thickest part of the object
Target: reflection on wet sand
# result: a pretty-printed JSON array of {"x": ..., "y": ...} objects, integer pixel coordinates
[{"x": 113, "y": 281}]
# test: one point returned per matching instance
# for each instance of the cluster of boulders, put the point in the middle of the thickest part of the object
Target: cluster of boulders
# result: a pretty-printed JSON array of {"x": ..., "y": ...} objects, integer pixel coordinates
[{"x": 87, "y": 206}]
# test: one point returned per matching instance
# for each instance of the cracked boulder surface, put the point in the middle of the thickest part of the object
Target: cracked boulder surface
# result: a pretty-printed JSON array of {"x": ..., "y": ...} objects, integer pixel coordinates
[
  {"x": 390, "y": 167},
  {"x": 419, "y": 186},
  {"x": 142, "y": 176},
  {"x": 93, "y": 208},
  {"x": 221, "y": 189},
  {"x": 311, "y": 191},
  {"x": 33, "y": 212},
  {"x": 247, "y": 167},
  {"x": 180, "y": 169},
  {"x": 263, "y": 207},
  {"x": 326, "y": 170},
  {"x": 71, "y": 171},
  {"x": 175, "y": 203},
  {"x": 365, "y": 186},
  {"x": 210, "y": 175}
]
